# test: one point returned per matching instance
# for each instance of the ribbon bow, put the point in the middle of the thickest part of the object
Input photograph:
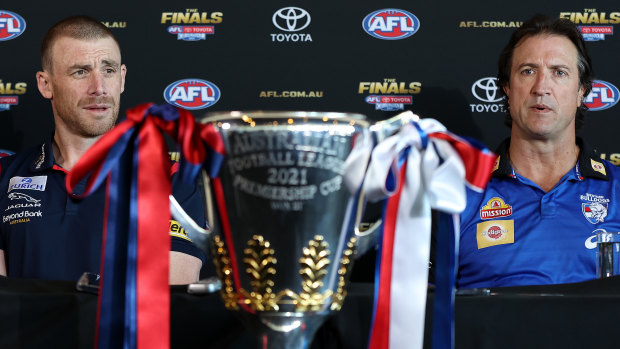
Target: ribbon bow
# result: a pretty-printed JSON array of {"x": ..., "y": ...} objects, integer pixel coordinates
[
  {"x": 134, "y": 298},
  {"x": 419, "y": 168}
]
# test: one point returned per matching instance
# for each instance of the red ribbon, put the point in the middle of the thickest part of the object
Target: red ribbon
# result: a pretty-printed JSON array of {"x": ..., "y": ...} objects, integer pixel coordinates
[{"x": 147, "y": 292}]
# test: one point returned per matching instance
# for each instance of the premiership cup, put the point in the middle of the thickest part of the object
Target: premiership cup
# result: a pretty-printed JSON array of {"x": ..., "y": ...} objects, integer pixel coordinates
[{"x": 287, "y": 206}]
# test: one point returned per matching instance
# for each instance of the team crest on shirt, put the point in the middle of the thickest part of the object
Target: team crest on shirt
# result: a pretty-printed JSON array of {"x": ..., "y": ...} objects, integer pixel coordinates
[
  {"x": 493, "y": 233},
  {"x": 595, "y": 207},
  {"x": 495, "y": 208}
]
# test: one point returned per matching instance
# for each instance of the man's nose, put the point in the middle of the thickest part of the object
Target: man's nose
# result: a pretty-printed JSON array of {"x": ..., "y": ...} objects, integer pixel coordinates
[
  {"x": 97, "y": 84},
  {"x": 542, "y": 84}
]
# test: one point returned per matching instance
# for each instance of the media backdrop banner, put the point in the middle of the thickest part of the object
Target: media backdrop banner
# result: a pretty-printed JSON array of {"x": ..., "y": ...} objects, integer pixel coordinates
[{"x": 438, "y": 59}]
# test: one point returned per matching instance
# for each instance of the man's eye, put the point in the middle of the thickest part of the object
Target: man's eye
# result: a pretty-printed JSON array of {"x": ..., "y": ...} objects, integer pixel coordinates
[
  {"x": 527, "y": 71},
  {"x": 79, "y": 72},
  {"x": 561, "y": 73},
  {"x": 110, "y": 70}
]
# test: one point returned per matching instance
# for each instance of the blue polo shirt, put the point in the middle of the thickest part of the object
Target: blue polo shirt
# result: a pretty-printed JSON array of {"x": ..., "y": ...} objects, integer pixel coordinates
[
  {"x": 45, "y": 233},
  {"x": 515, "y": 233}
]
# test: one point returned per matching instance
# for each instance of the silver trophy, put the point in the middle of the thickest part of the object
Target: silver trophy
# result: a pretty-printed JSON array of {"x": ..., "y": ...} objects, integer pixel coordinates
[
  {"x": 287, "y": 206},
  {"x": 286, "y": 210}
]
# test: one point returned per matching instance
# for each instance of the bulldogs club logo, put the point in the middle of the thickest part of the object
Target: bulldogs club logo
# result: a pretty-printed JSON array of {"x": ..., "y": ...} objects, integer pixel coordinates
[
  {"x": 595, "y": 212},
  {"x": 594, "y": 208},
  {"x": 604, "y": 95},
  {"x": 192, "y": 94},
  {"x": 391, "y": 24},
  {"x": 12, "y": 25}
]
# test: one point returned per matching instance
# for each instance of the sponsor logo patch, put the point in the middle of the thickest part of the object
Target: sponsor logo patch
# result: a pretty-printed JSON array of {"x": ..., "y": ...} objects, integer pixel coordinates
[
  {"x": 598, "y": 167},
  {"x": 496, "y": 166},
  {"x": 21, "y": 217},
  {"x": 493, "y": 233},
  {"x": 22, "y": 196},
  {"x": 27, "y": 183},
  {"x": 175, "y": 229},
  {"x": 495, "y": 208}
]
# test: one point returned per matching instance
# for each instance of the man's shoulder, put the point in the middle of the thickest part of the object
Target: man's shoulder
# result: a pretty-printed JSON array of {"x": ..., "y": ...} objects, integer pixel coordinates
[{"x": 22, "y": 159}]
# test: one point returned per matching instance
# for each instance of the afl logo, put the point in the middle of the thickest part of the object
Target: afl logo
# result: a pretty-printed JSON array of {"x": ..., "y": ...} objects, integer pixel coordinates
[
  {"x": 603, "y": 96},
  {"x": 12, "y": 25},
  {"x": 391, "y": 24},
  {"x": 192, "y": 94}
]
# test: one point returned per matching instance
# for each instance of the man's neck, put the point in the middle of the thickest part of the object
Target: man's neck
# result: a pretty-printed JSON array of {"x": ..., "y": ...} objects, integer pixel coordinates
[
  {"x": 543, "y": 162},
  {"x": 68, "y": 148}
]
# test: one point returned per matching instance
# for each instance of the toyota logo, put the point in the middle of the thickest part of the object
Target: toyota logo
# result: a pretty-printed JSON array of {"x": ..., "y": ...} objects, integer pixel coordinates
[
  {"x": 291, "y": 19},
  {"x": 487, "y": 90}
]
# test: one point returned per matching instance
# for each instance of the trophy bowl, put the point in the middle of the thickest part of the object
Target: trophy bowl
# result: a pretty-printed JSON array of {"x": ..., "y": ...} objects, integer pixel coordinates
[{"x": 285, "y": 213}]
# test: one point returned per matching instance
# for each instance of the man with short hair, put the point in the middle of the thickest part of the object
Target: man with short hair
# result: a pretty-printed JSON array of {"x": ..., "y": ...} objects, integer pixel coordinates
[
  {"x": 536, "y": 222},
  {"x": 46, "y": 233}
]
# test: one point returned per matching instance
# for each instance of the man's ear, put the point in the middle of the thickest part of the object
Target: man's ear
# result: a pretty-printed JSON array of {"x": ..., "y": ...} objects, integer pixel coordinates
[
  {"x": 580, "y": 96},
  {"x": 44, "y": 84},
  {"x": 123, "y": 72}
]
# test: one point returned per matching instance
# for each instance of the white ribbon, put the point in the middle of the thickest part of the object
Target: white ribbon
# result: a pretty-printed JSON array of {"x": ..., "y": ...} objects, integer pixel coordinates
[{"x": 434, "y": 178}]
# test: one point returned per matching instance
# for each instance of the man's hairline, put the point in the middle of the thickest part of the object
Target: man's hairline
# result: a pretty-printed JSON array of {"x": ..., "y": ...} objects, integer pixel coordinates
[
  {"x": 544, "y": 34},
  {"x": 65, "y": 35}
]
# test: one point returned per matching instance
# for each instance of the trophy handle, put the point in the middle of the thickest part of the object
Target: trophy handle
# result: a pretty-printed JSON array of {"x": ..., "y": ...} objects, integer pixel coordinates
[
  {"x": 383, "y": 129},
  {"x": 367, "y": 235},
  {"x": 198, "y": 235}
]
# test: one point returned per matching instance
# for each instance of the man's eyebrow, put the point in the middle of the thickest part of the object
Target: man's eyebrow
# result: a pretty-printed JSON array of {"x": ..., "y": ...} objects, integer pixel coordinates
[
  {"x": 528, "y": 64},
  {"x": 536, "y": 65},
  {"x": 84, "y": 66},
  {"x": 110, "y": 62}
]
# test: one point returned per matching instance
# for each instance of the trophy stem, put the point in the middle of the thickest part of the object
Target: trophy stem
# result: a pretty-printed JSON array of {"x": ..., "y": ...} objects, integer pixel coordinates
[{"x": 284, "y": 330}]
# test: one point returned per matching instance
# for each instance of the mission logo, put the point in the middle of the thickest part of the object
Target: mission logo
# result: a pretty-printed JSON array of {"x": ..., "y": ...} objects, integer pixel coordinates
[
  {"x": 192, "y": 94},
  {"x": 391, "y": 24}
]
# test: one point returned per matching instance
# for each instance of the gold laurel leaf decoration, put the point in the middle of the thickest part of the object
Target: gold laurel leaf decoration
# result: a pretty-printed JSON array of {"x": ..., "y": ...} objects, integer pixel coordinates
[
  {"x": 224, "y": 272},
  {"x": 313, "y": 263},
  {"x": 260, "y": 266},
  {"x": 346, "y": 264}
]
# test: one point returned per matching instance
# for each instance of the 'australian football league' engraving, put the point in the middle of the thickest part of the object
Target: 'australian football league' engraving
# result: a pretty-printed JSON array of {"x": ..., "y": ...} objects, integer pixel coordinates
[{"x": 288, "y": 167}]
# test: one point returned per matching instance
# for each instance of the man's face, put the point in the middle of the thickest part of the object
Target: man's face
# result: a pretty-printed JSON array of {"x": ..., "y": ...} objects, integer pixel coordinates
[
  {"x": 84, "y": 85},
  {"x": 544, "y": 91}
]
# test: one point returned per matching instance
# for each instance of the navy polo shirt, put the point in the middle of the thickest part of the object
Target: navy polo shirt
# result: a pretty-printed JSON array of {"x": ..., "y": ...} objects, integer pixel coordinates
[
  {"x": 45, "y": 233},
  {"x": 515, "y": 233}
]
